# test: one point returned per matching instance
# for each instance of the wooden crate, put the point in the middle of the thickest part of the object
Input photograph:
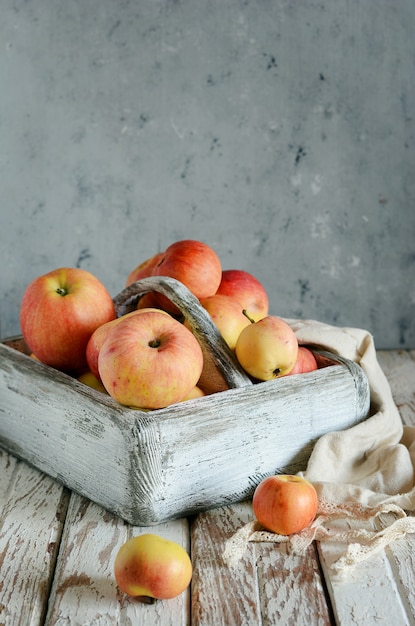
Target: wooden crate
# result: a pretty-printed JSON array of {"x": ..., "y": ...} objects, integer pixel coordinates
[{"x": 151, "y": 466}]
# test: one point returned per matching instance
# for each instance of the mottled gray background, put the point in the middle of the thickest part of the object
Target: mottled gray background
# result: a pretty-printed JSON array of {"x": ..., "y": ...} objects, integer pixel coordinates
[{"x": 281, "y": 133}]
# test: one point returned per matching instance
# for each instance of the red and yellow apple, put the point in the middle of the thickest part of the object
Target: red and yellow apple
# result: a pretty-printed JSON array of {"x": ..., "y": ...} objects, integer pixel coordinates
[
  {"x": 144, "y": 270},
  {"x": 195, "y": 392},
  {"x": 99, "y": 335},
  {"x": 285, "y": 504},
  {"x": 247, "y": 290},
  {"x": 58, "y": 314},
  {"x": 150, "y": 361},
  {"x": 149, "y": 301},
  {"x": 151, "y": 566},
  {"x": 89, "y": 379},
  {"x": 306, "y": 362},
  {"x": 193, "y": 263},
  {"x": 267, "y": 349},
  {"x": 227, "y": 315}
]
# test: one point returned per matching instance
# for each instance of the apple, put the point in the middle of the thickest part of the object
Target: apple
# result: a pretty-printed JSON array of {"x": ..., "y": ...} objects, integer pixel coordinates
[
  {"x": 227, "y": 315},
  {"x": 149, "y": 301},
  {"x": 150, "y": 360},
  {"x": 151, "y": 566},
  {"x": 89, "y": 379},
  {"x": 306, "y": 362},
  {"x": 247, "y": 290},
  {"x": 143, "y": 270},
  {"x": 267, "y": 349},
  {"x": 95, "y": 343},
  {"x": 195, "y": 392},
  {"x": 193, "y": 263},
  {"x": 100, "y": 334},
  {"x": 59, "y": 312},
  {"x": 285, "y": 504}
]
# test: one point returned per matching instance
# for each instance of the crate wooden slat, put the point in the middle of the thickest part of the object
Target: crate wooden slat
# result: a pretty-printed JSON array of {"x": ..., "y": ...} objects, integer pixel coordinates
[
  {"x": 151, "y": 466},
  {"x": 32, "y": 512},
  {"x": 269, "y": 585}
]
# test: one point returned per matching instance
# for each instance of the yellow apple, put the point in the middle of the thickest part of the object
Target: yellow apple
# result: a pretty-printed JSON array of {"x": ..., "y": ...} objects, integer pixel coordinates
[
  {"x": 195, "y": 392},
  {"x": 150, "y": 565},
  {"x": 227, "y": 315},
  {"x": 89, "y": 379},
  {"x": 267, "y": 349}
]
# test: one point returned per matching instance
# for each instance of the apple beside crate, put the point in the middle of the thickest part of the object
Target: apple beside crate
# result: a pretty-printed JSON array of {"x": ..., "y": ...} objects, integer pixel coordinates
[{"x": 151, "y": 466}]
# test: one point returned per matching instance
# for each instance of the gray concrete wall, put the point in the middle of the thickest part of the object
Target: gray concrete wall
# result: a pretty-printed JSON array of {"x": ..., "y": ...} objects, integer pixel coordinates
[{"x": 279, "y": 132}]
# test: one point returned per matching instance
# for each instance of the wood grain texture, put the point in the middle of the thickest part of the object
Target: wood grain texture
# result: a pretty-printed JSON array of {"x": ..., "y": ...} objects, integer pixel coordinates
[
  {"x": 380, "y": 590},
  {"x": 32, "y": 512},
  {"x": 291, "y": 587},
  {"x": 369, "y": 595},
  {"x": 148, "y": 467},
  {"x": 399, "y": 367},
  {"x": 221, "y": 596},
  {"x": 84, "y": 589},
  {"x": 269, "y": 586},
  {"x": 56, "y": 561}
]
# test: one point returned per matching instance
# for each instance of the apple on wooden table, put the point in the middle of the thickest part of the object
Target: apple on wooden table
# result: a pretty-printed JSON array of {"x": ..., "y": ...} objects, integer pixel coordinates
[
  {"x": 285, "y": 504},
  {"x": 58, "y": 314},
  {"x": 151, "y": 566}
]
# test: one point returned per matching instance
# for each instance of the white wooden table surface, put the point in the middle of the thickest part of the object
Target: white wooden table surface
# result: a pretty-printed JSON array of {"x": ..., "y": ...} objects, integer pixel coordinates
[{"x": 57, "y": 551}]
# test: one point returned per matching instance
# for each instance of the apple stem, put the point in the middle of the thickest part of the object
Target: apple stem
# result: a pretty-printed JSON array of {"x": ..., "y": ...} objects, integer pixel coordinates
[
  {"x": 61, "y": 291},
  {"x": 147, "y": 599},
  {"x": 154, "y": 343},
  {"x": 245, "y": 312}
]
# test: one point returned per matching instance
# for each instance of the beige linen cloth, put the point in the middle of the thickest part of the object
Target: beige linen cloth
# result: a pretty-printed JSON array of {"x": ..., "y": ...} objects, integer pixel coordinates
[{"x": 364, "y": 473}]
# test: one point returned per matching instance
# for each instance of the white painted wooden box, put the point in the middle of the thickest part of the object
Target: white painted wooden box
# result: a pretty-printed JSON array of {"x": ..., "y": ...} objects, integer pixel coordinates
[{"x": 151, "y": 466}]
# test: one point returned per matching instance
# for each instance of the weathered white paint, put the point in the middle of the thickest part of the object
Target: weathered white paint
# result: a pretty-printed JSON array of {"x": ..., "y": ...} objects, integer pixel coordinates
[
  {"x": 155, "y": 465},
  {"x": 270, "y": 585},
  {"x": 84, "y": 589},
  {"x": 32, "y": 511}
]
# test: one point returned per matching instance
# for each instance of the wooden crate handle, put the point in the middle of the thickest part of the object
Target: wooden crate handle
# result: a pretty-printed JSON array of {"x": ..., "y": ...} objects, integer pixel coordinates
[{"x": 221, "y": 369}]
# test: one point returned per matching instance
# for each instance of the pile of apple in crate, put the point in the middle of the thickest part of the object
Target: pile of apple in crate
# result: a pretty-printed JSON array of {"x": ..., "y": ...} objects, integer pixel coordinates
[{"x": 149, "y": 358}]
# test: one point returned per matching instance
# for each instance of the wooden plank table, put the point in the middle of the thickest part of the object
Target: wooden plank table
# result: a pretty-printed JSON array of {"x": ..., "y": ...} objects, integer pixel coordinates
[{"x": 57, "y": 551}]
